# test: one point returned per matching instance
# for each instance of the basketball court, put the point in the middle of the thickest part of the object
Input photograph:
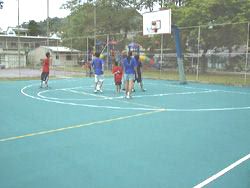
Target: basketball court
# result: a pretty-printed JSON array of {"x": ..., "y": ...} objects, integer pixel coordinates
[
  {"x": 176, "y": 134},
  {"x": 172, "y": 135}
]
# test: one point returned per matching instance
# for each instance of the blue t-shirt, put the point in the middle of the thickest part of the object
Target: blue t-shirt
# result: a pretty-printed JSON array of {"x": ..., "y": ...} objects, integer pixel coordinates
[
  {"x": 129, "y": 65},
  {"x": 97, "y": 65}
]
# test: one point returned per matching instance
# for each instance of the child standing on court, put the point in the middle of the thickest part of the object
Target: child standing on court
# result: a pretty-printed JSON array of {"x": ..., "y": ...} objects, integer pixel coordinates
[
  {"x": 45, "y": 70},
  {"x": 117, "y": 71},
  {"x": 98, "y": 67},
  {"x": 138, "y": 73},
  {"x": 129, "y": 65}
]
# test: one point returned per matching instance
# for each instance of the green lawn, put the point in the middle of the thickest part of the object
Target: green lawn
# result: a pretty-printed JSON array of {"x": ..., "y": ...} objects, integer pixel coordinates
[{"x": 213, "y": 77}]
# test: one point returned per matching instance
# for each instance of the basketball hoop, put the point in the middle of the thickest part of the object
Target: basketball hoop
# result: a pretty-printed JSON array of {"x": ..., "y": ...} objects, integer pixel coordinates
[
  {"x": 1, "y": 4},
  {"x": 155, "y": 25}
]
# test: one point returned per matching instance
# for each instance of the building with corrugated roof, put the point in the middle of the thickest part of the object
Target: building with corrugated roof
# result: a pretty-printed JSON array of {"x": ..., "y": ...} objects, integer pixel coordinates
[{"x": 61, "y": 56}]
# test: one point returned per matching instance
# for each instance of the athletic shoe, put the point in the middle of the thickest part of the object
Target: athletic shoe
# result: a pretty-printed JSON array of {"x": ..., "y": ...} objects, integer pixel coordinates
[
  {"x": 143, "y": 90},
  {"x": 100, "y": 91},
  {"x": 95, "y": 91},
  {"x": 128, "y": 97}
]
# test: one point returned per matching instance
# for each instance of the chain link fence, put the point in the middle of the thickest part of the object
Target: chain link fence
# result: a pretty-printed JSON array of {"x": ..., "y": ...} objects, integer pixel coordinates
[{"x": 211, "y": 53}]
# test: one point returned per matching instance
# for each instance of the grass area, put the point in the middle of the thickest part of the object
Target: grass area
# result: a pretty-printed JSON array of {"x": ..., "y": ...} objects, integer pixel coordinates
[
  {"x": 223, "y": 79},
  {"x": 213, "y": 77}
]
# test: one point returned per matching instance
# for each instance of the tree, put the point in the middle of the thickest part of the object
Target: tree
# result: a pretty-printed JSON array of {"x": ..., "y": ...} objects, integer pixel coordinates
[
  {"x": 110, "y": 18},
  {"x": 34, "y": 28},
  {"x": 218, "y": 21}
]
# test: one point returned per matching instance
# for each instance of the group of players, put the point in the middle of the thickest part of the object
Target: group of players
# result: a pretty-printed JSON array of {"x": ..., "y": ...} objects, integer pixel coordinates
[{"x": 127, "y": 71}]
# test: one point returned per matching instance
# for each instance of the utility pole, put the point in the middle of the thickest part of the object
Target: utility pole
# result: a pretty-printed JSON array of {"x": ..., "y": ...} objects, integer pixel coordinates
[
  {"x": 95, "y": 25},
  {"x": 18, "y": 38},
  {"x": 48, "y": 23}
]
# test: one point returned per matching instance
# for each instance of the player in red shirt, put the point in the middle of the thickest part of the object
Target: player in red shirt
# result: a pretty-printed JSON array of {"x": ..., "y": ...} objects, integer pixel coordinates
[
  {"x": 117, "y": 71},
  {"x": 45, "y": 70}
]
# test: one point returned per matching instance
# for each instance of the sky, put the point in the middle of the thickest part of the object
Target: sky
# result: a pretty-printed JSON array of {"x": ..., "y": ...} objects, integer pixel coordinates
[{"x": 29, "y": 10}]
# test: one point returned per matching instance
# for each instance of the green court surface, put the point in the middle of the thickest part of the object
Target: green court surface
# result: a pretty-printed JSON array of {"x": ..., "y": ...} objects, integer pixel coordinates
[{"x": 171, "y": 136}]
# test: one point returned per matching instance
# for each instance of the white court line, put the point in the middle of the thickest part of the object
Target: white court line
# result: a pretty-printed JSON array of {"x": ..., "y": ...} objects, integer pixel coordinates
[
  {"x": 86, "y": 105},
  {"x": 62, "y": 101},
  {"x": 101, "y": 97},
  {"x": 114, "y": 98},
  {"x": 156, "y": 95},
  {"x": 236, "y": 92},
  {"x": 206, "y": 89},
  {"x": 222, "y": 172},
  {"x": 208, "y": 109},
  {"x": 67, "y": 99},
  {"x": 118, "y": 97}
]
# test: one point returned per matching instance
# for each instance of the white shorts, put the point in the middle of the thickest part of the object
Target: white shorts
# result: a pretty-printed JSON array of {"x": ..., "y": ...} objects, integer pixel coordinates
[{"x": 99, "y": 78}]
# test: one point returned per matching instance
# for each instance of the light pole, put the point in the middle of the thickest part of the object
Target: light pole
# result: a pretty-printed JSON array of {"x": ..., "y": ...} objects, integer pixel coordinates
[
  {"x": 95, "y": 25},
  {"x": 47, "y": 22},
  {"x": 18, "y": 37}
]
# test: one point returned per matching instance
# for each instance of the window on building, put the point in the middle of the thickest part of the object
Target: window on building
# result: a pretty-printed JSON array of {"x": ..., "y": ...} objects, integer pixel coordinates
[
  {"x": 26, "y": 45},
  {"x": 68, "y": 57},
  {"x": 13, "y": 45},
  {"x": 11, "y": 33}
]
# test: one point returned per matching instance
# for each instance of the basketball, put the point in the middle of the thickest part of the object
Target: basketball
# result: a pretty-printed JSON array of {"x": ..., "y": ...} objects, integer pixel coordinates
[
  {"x": 102, "y": 56},
  {"x": 142, "y": 58}
]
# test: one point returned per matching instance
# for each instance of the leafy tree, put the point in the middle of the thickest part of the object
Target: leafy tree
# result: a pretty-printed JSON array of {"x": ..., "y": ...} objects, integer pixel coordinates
[
  {"x": 34, "y": 28},
  {"x": 217, "y": 20},
  {"x": 109, "y": 17}
]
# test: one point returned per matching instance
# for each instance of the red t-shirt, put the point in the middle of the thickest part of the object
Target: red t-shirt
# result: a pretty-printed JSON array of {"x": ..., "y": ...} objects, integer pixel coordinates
[
  {"x": 46, "y": 65},
  {"x": 117, "y": 71}
]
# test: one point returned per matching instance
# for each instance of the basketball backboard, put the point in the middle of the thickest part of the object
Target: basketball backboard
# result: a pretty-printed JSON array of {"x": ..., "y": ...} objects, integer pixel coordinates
[{"x": 158, "y": 22}]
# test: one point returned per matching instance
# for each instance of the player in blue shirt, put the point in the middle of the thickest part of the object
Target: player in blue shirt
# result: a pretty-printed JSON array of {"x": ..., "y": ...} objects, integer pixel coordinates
[
  {"x": 129, "y": 65},
  {"x": 98, "y": 67}
]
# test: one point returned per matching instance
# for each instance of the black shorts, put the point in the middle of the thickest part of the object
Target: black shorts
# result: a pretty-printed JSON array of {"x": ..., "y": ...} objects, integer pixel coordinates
[
  {"x": 138, "y": 78},
  {"x": 44, "y": 76},
  {"x": 118, "y": 83}
]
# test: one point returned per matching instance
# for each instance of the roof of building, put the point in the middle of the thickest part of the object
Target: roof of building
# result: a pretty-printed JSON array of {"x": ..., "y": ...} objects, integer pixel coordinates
[
  {"x": 61, "y": 49},
  {"x": 29, "y": 37},
  {"x": 18, "y": 28}
]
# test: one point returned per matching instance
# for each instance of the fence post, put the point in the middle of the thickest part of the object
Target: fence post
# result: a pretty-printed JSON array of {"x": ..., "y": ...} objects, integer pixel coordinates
[
  {"x": 247, "y": 49},
  {"x": 198, "y": 53},
  {"x": 107, "y": 58},
  {"x": 87, "y": 49},
  {"x": 161, "y": 53}
]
